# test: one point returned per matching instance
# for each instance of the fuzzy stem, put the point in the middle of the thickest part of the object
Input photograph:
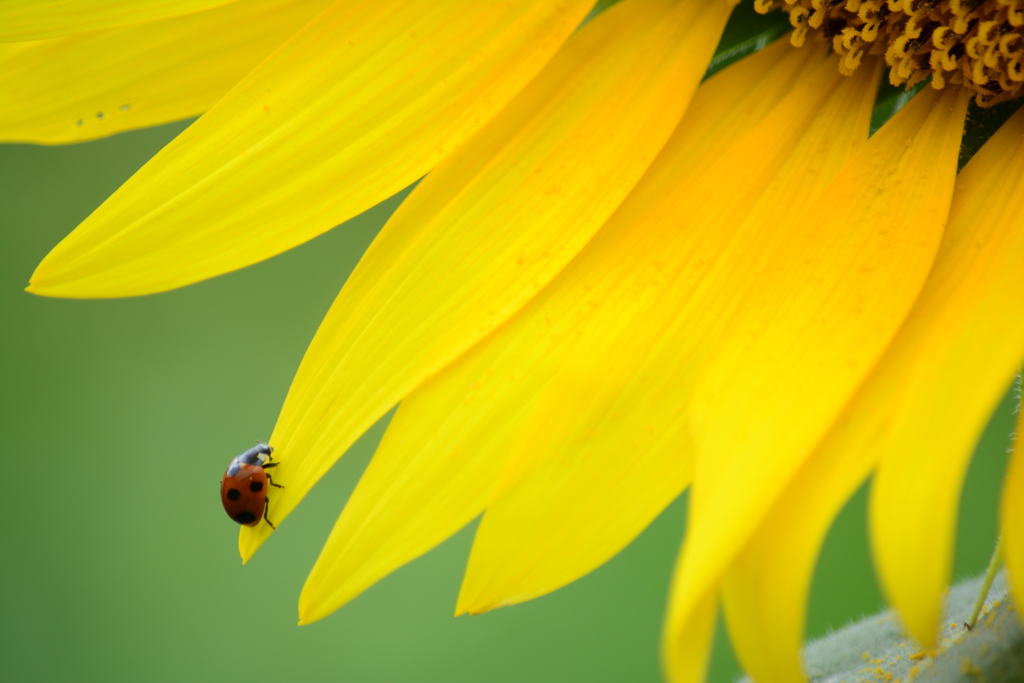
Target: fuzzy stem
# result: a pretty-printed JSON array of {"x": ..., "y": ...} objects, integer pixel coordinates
[{"x": 993, "y": 566}]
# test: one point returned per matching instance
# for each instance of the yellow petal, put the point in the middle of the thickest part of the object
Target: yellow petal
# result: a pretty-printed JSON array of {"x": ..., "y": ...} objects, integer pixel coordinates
[
  {"x": 956, "y": 380},
  {"x": 834, "y": 135},
  {"x": 360, "y": 103},
  {"x": 578, "y": 507},
  {"x": 607, "y": 448},
  {"x": 417, "y": 491},
  {"x": 765, "y": 591},
  {"x": 446, "y": 448},
  {"x": 492, "y": 225},
  {"x": 39, "y": 19},
  {"x": 685, "y": 647},
  {"x": 843, "y": 275},
  {"x": 97, "y": 84},
  {"x": 1012, "y": 517}
]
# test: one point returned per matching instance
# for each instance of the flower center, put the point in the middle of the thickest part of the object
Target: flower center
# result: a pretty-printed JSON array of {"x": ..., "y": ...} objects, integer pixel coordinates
[{"x": 978, "y": 44}]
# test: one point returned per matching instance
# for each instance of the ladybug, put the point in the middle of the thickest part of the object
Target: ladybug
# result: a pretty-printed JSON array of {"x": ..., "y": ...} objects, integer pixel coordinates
[{"x": 243, "y": 490}]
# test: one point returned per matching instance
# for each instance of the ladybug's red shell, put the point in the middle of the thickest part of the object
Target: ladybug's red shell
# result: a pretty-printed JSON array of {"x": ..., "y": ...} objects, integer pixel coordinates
[{"x": 243, "y": 491}]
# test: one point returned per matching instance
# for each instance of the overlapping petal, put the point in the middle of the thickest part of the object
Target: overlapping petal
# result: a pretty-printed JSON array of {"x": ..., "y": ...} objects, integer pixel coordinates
[
  {"x": 492, "y": 225},
  {"x": 969, "y": 290},
  {"x": 607, "y": 449},
  {"x": 958, "y": 376},
  {"x": 832, "y": 137},
  {"x": 360, "y": 103},
  {"x": 96, "y": 84},
  {"x": 776, "y": 567},
  {"x": 833, "y": 286},
  {"x": 40, "y": 19},
  {"x": 451, "y": 438},
  {"x": 428, "y": 479}
]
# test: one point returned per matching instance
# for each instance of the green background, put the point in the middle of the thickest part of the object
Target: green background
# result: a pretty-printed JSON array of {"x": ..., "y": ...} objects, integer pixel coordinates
[{"x": 119, "y": 417}]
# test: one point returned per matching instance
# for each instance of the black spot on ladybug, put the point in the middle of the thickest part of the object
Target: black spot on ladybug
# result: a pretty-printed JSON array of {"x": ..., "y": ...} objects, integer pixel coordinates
[
  {"x": 256, "y": 486},
  {"x": 245, "y": 518},
  {"x": 234, "y": 494}
]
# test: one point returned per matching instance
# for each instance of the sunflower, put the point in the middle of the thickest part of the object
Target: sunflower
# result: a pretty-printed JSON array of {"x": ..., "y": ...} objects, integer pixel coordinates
[{"x": 614, "y": 282}]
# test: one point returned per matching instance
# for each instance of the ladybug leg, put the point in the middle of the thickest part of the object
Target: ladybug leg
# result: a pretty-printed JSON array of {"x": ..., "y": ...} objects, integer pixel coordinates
[
  {"x": 271, "y": 480},
  {"x": 266, "y": 506},
  {"x": 268, "y": 465}
]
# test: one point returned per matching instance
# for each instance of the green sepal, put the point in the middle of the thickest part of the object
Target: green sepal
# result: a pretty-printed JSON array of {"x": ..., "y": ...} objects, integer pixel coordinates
[{"x": 746, "y": 33}]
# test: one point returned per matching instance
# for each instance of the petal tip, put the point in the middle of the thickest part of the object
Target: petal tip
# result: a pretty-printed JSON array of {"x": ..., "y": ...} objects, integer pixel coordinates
[
  {"x": 249, "y": 541},
  {"x": 34, "y": 287},
  {"x": 47, "y": 288},
  {"x": 476, "y": 606},
  {"x": 311, "y": 610},
  {"x": 465, "y": 606},
  {"x": 463, "y": 609}
]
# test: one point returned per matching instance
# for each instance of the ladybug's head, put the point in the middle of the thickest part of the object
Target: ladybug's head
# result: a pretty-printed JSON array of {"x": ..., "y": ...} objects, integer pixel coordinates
[{"x": 257, "y": 455}]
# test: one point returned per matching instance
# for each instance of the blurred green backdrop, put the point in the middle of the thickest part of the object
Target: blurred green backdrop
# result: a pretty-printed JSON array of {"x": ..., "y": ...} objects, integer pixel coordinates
[{"x": 119, "y": 417}]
